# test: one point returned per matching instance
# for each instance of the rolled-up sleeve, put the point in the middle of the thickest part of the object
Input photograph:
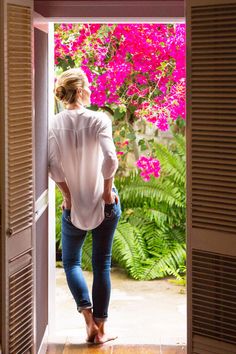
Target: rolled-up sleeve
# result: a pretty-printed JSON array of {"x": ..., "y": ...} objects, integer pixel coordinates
[
  {"x": 110, "y": 162},
  {"x": 55, "y": 170}
]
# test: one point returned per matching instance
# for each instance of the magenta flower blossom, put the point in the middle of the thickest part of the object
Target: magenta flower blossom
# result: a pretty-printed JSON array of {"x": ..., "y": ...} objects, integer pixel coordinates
[
  {"x": 137, "y": 56},
  {"x": 140, "y": 67},
  {"x": 149, "y": 166},
  {"x": 162, "y": 123}
]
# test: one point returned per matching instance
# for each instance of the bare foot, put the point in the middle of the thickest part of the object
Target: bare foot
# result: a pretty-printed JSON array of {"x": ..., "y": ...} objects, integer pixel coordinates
[
  {"x": 91, "y": 326},
  {"x": 101, "y": 337},
  {"x": 91, "y": 332}
]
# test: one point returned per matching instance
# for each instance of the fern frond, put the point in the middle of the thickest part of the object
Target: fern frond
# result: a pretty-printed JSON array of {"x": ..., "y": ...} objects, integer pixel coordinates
[
  {"x": 154, "y": 192},
  {"x": 167, "y": 265},
  {"x": 171, "y": 164},
  {"x": 180, "y": 143},
  {"x": 128, "y": 246}
]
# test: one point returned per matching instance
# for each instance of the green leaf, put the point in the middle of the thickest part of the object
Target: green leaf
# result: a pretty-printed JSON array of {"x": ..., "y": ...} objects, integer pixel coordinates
[
  {"x": 141, "y": 142},
  {"x": 119, "y": 114},
  {"x": 143, "y": 147},
  {"x": 131, "y": 136},
  {"x": 132, "y": 109}
]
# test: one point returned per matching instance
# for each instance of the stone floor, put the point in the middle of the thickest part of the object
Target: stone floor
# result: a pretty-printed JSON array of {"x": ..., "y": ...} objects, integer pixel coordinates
[{"x": 141, "y": 312}]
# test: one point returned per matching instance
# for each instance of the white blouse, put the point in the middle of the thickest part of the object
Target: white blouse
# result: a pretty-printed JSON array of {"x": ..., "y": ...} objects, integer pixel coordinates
[{"x": 82, "y": 153}]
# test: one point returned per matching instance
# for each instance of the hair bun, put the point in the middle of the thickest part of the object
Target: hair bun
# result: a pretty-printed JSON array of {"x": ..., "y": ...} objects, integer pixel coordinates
[
  {"x": 67, "y": 85},
  {"x": 60, "y": 92}
]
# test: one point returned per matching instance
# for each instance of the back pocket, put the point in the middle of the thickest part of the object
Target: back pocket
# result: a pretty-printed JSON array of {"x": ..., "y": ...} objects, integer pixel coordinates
[{"x": 110, "y": 211}]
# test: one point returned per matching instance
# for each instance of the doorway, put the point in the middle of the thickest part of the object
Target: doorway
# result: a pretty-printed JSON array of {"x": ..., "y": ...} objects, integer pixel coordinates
[{"x": 52, "y": 239}]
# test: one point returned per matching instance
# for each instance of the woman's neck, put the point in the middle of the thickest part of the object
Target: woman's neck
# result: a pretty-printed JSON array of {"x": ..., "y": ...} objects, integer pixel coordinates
[{"x": 74, "y": 106}]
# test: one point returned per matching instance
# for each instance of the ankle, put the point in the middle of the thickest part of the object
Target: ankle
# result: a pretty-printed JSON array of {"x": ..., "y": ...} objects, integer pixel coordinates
[
  {"x": 101, "y": 328},
  {"x": 88, "y": 316}
]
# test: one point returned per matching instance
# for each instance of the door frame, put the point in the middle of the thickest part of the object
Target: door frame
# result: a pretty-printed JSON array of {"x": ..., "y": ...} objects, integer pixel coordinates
[{"x": 51, "y": 186}]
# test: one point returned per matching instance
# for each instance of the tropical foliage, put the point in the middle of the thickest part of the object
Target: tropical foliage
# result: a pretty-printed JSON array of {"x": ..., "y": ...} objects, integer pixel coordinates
[
  {"x": 137, "y": 75},
  {"x": 150, "y": 239}
]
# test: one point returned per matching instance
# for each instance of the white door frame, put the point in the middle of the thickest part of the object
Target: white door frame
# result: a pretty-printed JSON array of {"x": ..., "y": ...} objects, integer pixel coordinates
[{"x": 51, "y": 186}]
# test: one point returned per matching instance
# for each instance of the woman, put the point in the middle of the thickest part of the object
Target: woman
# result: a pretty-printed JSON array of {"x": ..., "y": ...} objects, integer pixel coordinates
[{"x": 83, "y": 163}]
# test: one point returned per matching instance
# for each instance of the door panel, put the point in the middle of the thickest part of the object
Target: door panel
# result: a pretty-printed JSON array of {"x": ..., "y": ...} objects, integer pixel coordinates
[
  {"x": 211, "y": 177},
  {"x": 19, "y": 118},
  {"x": 17, "y": 187}
]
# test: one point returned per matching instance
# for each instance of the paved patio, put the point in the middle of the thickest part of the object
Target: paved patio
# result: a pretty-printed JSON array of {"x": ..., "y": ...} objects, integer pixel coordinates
[{"x": 141, "y": 312}]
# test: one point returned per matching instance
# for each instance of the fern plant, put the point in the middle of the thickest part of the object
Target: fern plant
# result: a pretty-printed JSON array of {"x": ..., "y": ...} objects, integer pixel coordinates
[{"x": 150, "y": 239}]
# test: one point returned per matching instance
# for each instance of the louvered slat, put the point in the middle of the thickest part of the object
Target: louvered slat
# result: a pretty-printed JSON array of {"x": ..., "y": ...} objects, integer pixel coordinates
[
  {"x": 19, "y": 119},
  {"x": 21, "y": 310},
  {"x": 212, "y": 160},
  {"x": 213, "y": 117},
  {"x": 20, "y": 175},
  {"x": 213, "y": 294}
]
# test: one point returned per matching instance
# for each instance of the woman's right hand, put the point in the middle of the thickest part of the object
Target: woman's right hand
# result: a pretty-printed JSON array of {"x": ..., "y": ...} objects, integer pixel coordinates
[
  {"x": 110, "y": 198},
  {"x": 66, "y": 204}
]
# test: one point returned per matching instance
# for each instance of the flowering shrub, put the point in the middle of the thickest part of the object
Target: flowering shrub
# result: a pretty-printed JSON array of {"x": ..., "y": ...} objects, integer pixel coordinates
[
  {"x": 149, "y": 166},
  {"x": 137, "y": 72}
]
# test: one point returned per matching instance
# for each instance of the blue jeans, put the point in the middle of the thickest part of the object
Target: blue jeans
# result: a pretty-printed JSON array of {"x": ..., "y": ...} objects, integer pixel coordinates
[{"x": 102, "y": 239}]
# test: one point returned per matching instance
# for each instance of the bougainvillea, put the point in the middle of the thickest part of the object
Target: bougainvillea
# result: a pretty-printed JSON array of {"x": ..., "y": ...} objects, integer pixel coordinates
[
  {"x": 149, "y": 166},
  {"x": 136, "y": 71}
]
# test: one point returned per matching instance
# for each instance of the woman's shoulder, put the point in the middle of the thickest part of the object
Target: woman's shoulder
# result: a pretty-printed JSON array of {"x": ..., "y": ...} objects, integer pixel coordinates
[
  {"x": 101, "y": 117},
  {"x": 53, "y": 123},
  {"x": 98, "y": 119}
]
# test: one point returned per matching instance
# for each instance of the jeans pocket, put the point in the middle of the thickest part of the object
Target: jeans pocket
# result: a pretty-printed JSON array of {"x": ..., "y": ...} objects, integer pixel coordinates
[
  {"x": 66, "y": 215},
  {"x": 109, "y": 211},
  {"x": 112, "y": 211}
]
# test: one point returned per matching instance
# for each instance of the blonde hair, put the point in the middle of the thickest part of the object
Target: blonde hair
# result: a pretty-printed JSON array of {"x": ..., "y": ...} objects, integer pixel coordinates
[{"x": 68, "y": 83}]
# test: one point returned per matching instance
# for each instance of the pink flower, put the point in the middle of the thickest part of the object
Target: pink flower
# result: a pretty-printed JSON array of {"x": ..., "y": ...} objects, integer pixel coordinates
[
  {"x": 162, "y": 123},
  {"x": 139, "y": 64},
  {"x": 149, "y": 166}
]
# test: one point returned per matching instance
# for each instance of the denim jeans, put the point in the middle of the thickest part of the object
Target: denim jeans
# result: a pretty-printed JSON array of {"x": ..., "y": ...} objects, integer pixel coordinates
[{"x": 102, "y": 240}]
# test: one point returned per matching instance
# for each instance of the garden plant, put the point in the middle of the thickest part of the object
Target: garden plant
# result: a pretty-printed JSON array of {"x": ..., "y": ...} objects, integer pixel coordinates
[{"x": 137, "y": 76}]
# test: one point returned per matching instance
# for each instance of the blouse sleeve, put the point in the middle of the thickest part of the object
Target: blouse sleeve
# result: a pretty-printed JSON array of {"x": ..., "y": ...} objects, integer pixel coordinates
[
  {"x": 110, "y": 162},
  {"x": 54, "y": 160}
]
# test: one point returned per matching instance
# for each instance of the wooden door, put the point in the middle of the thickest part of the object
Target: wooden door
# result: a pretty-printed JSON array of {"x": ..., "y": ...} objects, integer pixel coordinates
[
  {"x": 17, "y": 178},
  {"x": 211, "y": 178}
]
